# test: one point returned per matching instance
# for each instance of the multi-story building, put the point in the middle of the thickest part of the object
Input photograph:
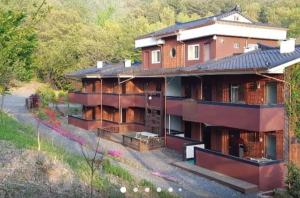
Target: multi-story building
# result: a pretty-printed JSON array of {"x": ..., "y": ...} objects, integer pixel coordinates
[{"x": 218, "y": 81}]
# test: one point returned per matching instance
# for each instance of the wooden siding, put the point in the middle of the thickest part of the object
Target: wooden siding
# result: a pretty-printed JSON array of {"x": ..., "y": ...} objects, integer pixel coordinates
[
  {"x": 220, "y": 88},
  {"x": 220, "y": 47}
]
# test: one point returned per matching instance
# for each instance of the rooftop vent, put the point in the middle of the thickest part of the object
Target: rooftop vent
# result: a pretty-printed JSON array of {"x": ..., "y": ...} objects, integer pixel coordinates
[
  {"x": 99, "y": 64},
  {"x": 287, "y": 46},
  {"x": 127, "y": 63}
]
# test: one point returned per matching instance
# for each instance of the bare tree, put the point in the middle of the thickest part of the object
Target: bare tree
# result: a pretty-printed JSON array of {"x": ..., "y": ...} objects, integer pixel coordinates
[{"x": 93, "y": 163}]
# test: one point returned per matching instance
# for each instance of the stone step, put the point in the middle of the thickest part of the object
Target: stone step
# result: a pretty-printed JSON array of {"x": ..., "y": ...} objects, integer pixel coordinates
[{"x": 236, "y": 184}]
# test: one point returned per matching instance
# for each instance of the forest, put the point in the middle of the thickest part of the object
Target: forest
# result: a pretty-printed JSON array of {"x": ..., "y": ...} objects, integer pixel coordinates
[{"x": 60, "y": 36}]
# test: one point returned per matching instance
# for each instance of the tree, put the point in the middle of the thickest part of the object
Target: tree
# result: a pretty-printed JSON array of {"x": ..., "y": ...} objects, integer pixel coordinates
[
  {"x": 93, "y": 162},
  {"x": 17, "y": 44},
  {"x": 263, "y": 15}
]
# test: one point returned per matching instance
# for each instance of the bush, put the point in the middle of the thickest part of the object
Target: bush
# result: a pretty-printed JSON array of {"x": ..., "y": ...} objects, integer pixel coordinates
[
  {"x": 41, "y": 114},
  {"x": 47, "y": 95},
  {"x": 62, "y": 96},
  {"x": 293, "y": 180}
]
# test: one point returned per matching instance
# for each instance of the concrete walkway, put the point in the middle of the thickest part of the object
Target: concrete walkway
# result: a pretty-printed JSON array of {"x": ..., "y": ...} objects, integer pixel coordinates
[{"x": 140, "y": 165}]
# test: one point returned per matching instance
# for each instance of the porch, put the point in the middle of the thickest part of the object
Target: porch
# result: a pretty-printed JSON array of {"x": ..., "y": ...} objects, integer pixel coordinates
[{"x": 267, "y": 174}]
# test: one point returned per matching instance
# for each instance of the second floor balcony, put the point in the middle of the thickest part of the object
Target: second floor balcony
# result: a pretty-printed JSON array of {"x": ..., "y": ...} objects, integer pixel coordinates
[
  {"x": 87, "y": 99},
  {"x": 241, "y": 116},
  {"x": 116, "y": 100}
]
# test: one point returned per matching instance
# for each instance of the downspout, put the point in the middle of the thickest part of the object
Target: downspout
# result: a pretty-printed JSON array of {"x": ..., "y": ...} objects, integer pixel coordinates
[
  {"x": 101, "y": 96},
  {"x": 183, "y": 50},
  {"x": 165, "y": 100},
  {"x": 119, "y": 94}
]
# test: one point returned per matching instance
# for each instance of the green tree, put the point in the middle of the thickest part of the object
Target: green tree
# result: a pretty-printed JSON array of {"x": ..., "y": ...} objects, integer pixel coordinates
[
  {"x": 17, "y": 44},
  {"x": 263, "y": 15}
]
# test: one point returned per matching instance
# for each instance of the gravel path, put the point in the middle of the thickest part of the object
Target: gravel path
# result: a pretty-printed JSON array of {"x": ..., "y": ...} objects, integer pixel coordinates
[{"x": 139, "y": 164}]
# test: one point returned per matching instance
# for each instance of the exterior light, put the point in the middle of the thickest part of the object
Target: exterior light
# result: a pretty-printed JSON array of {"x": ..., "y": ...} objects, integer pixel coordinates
[{"x": 150, "y": 98}]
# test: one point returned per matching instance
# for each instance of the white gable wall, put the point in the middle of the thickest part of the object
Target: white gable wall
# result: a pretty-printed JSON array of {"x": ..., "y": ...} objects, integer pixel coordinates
[{"x": 233, "y": 17}]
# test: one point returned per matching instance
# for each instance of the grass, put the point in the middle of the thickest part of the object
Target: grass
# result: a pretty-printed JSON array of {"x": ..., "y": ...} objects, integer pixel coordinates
[
  {"x": 25, "y": 137},
  {"x": 20, "y": 135},
  {"x": 116, "y": 170},
  {"x": 162, "y": 194}
]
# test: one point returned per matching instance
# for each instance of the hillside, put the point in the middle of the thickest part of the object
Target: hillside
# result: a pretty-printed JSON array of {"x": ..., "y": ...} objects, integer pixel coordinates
[{"x": 73, "y": 34}]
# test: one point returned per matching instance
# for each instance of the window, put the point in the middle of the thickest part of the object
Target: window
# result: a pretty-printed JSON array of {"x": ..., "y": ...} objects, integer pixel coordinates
[
  {"x": 271, "y": 88},
  {"x": 155, "y": 56},
  {"x": 236, "y": 45},
  {"x": 236, "y": 93},
  {"x": 173, "y": 52},
  {"x": 193, "y": 52}
]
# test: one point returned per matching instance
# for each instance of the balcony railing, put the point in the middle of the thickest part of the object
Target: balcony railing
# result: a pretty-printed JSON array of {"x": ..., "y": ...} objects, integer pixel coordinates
[
  {"x": 130, "y": 100},
  {"x": 266, "y": 174},
  {"x": 242, "y": 116},
  {"x": 83, "y": 123},
  {"x": 87, "y": 99}
]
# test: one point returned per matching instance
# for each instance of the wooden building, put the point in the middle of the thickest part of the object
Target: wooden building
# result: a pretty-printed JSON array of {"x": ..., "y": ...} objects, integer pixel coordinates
[{"x": 218, "y": 81}]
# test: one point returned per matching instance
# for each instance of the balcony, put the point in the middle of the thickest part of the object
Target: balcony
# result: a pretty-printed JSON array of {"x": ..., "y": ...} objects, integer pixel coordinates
[
  {"x": 83, "y": 123},
  {"x": 129, "y": 100},
  {"x": 174, "y": 105},
  {"x": 110, "y": 99},
  {"x": 87, "y": 99},
  {"x": 242, "y": 116}
]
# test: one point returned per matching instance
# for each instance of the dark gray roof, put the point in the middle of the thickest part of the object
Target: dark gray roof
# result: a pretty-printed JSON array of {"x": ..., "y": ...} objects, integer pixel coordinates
[
  {"x": 260, "y": 59},
  {"x": 199, "y": 22},
  {"x": 178, "y": 25},
  {"x": 111, "y": 69}
]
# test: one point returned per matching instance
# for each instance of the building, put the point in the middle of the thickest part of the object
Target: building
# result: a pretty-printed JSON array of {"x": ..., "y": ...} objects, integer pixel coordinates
[{"x": 216, "y": 83}]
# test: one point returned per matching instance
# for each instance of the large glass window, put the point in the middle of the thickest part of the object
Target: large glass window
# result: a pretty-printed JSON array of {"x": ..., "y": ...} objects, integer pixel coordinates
[
  {"x": 193, "y": 52},
  {"x": 155, "y": 56}
]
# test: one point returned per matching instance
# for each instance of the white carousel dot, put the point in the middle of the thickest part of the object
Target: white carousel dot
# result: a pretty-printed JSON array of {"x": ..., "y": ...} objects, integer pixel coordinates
[
  {"x": 123, "y": 189},
  {"x": 180, "y": 189},
  {"x": 147, "y": 189},
  {"x": 170, "y": 189},
  {"x": 158, "y": 189},
  {"x": 135, "y": 189}
]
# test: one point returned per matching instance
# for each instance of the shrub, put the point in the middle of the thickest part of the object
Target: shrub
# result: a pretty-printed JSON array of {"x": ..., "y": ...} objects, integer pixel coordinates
[
  {"x": 41, "y": 114},
  {"x": 293, "y": 180},
  {"x": 62, "y": 96},
  {"x": 47, "y": 95}
]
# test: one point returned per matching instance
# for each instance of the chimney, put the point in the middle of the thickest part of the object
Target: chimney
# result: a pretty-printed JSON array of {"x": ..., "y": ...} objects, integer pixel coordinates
[
  {"x": 287, "y": 46},
  {"x": 99, "y": 64},
  {"x": 127, "y": 63}
]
